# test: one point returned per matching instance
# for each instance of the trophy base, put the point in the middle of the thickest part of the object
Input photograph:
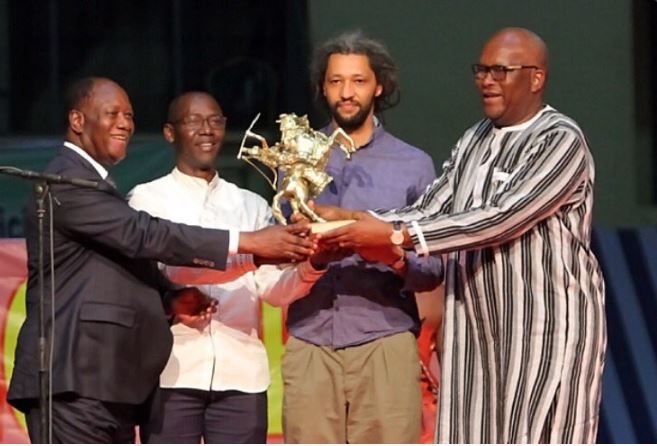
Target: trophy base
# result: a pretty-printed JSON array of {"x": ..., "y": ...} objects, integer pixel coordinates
[{"x": 321, "y": 227}]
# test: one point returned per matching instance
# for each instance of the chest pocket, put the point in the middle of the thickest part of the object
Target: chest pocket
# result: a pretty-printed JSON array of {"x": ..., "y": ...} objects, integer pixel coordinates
[{"x": 489, "y": 184}]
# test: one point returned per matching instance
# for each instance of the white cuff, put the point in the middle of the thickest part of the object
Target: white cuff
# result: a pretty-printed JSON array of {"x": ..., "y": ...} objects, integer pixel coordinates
[
  {"x": 241, "y": 262},
  {"x": 424, "y": 249},
  {"x": 233, "y": 241}
]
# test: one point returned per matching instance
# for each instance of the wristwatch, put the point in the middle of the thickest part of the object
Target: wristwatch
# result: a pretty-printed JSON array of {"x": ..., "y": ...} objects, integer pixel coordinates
[{"x": 397, "y": 236}]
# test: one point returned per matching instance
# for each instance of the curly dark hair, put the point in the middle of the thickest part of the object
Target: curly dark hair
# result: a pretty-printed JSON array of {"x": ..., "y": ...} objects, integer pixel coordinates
[{"x": 355, "y": 42}]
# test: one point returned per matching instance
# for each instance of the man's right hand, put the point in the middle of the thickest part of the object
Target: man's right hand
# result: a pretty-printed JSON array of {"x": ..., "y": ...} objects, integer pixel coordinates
[{"x": 287, "y": 243}]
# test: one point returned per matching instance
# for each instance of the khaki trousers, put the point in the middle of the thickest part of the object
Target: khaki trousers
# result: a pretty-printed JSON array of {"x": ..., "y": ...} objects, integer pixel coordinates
[{"x": 369, "y": 393}]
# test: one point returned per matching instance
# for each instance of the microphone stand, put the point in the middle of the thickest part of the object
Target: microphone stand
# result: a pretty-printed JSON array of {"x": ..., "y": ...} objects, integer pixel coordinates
[{"x": 42, "y": 191}]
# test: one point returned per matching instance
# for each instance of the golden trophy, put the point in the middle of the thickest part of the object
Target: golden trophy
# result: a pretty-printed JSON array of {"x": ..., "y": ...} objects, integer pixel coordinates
[{"x": 300, "y": 157}]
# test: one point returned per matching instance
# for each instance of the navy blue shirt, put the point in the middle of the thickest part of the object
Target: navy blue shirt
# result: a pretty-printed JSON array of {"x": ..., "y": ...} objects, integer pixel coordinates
[{"x": 358, "y": 301}]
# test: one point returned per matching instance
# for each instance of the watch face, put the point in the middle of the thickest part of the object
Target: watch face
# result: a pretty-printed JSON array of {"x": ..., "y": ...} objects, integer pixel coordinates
[{"x": 397, "y": 238}]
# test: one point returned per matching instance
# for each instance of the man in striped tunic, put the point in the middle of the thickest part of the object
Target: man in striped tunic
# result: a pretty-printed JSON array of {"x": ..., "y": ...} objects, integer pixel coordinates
[{"x": 525, "y": 332}]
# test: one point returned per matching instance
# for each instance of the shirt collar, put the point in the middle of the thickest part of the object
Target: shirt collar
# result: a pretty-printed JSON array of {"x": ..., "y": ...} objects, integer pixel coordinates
[
  {"x": 190, "y": 181},
  {"x": 378, "y": 131},
  {"x": 80, "y": 151},
  {"x": 523, "y": 125}
]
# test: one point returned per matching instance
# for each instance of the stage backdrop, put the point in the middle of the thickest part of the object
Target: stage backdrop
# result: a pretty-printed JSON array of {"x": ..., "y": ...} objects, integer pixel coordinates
[
  {"x": 629, "y": 406},
  {"x": 13, "y": 271}
]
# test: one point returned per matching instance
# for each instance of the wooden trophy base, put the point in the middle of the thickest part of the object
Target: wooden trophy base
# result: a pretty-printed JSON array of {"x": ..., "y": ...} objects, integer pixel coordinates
[{"x": 321, "y": 227}]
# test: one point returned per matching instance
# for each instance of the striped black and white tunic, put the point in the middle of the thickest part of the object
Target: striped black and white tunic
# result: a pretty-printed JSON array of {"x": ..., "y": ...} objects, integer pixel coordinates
[{"x": 524, "y": 323}]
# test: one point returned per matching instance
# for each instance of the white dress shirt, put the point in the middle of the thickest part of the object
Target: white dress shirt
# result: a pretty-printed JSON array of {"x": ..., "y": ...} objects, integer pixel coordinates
[{"x": 227, "y": 354}]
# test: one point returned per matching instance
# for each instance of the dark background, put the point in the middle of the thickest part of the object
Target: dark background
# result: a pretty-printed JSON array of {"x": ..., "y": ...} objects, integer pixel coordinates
[{"x": 250, "y": 54}]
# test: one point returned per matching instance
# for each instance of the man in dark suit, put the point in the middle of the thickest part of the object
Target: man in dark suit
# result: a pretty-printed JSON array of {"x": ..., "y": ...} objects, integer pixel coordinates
[{"x": 111, "y": 336}]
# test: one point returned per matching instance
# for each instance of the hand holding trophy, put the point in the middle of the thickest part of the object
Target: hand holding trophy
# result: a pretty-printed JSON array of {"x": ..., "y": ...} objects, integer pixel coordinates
[{"x": 301, "y": 157}]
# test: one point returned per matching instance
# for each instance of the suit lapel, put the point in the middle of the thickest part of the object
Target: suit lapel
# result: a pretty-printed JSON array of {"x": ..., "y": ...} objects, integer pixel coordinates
[
  {"x": 90, "y": 173},
  {"x": 74, "y": 159}
]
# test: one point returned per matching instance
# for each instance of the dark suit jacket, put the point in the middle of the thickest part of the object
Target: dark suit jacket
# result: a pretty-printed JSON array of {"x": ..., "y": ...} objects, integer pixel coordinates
[{"x": 112, "y": 338}]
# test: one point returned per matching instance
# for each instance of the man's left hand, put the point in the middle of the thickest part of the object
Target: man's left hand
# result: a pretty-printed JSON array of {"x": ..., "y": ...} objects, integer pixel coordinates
[{"x": 191, "y": 307}]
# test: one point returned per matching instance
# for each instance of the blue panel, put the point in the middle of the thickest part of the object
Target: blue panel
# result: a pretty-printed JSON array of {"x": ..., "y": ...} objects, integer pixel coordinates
[
  {"x": 614, "y": 412},
  {"x": 629, "y": 397}
]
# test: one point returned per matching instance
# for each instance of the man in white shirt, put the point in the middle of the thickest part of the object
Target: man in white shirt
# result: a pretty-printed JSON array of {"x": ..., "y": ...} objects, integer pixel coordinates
[
  {"x": 214, "y": 386},
  {"x": 110, "y": 338}
]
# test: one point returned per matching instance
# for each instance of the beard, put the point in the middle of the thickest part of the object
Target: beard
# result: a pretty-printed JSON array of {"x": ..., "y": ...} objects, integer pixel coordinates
[{"x": 350, "y": 123}]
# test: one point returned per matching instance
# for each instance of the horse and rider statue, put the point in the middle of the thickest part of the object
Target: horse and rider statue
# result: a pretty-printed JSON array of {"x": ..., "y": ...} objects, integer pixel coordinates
[{"x": 301, "y": 157}]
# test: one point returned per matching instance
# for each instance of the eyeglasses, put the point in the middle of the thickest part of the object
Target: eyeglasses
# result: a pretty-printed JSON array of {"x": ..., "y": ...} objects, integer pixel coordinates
[
  {"x": 497, "y": 72},
  {"x": 195, "y": 122}
]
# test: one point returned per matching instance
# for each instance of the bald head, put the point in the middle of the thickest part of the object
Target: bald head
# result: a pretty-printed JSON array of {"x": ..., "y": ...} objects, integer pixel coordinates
[
  {"x": 180, "y": 105},
  {"x": 82, "y": 90},
  {"x": 523, "y": 41}
]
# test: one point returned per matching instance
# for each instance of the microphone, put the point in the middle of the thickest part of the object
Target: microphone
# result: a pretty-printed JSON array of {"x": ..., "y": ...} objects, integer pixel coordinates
[{"x": 49, "y": 177}]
